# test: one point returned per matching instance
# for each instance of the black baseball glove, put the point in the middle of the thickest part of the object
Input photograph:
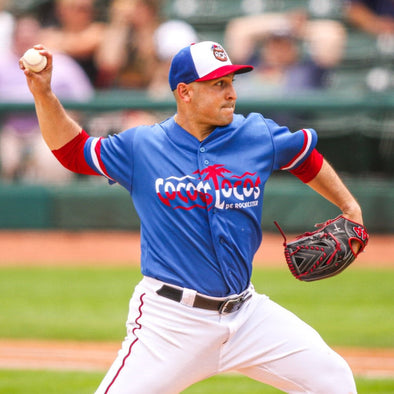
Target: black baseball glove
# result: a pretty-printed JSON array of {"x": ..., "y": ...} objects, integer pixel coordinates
[{"x": 325, "y": 252}]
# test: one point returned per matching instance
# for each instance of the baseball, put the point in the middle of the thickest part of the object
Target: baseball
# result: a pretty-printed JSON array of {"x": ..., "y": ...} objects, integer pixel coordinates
[{"x": 33, "y": 60}]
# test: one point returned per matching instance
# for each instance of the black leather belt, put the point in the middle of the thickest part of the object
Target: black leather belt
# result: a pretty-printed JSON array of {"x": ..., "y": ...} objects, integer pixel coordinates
[{"x": 228, "y": 305}]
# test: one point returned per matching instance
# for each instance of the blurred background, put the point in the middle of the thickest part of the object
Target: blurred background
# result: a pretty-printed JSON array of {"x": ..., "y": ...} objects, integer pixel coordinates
[{"x": 322, "y": 64}]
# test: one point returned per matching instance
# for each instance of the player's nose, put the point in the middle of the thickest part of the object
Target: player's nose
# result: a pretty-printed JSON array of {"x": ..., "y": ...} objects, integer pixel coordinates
[{"x": 231, "y": 93}]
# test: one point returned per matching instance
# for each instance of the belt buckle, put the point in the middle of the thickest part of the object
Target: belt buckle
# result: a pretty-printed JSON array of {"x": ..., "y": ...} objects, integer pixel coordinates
[{"x": 233, "y": 304}]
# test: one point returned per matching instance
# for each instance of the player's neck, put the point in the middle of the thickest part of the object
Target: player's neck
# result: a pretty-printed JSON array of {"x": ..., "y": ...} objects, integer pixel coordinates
[{"x": 196, "y": 129}]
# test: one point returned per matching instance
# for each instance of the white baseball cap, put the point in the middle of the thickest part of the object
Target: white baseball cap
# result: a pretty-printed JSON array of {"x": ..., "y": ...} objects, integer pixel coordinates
[{"x": 203, "y": 61}]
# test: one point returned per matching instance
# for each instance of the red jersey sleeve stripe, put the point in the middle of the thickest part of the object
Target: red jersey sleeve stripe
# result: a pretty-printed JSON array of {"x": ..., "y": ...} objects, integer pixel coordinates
[
  {"x": 310, "y": 167},
  {"x": 72, "y": 157},
  {"x": 301, "y": 154}
]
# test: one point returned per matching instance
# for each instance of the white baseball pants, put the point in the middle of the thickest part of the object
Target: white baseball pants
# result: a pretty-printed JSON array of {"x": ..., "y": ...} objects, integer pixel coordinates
[{"x": 170, "y": 346}]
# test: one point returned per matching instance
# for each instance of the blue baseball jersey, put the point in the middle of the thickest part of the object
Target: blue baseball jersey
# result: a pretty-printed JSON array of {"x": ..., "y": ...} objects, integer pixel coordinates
[{"x": 200, "y": 203}]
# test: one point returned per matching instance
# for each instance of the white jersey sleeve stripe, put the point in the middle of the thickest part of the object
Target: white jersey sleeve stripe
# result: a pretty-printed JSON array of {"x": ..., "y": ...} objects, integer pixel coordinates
[
  {"x": 302, "y": 153},
  {"x": 95, "y": 158}
]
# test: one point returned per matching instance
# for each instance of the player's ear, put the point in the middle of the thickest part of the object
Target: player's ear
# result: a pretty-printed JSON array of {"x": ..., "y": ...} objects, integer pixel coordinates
[{"x": 183, "y": 91}]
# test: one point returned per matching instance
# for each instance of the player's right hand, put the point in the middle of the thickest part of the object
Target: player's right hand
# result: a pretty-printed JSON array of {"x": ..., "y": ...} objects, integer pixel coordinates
[{"x": 39, "y": 83}]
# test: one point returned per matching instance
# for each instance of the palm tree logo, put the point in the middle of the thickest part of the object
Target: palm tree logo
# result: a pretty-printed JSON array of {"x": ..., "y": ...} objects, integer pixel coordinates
[{"x": 214, "y": 172}]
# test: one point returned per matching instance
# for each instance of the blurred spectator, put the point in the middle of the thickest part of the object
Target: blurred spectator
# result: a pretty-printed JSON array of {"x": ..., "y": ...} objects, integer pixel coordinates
[
  {"x": 371, "y": 16},
  {"x": 376, "y": 18},
  {"x": 278, "y": 66},
  {"x": 242, "y": 34},
  {"x": 77, "y": 34},
  {"x": 169, "y": 38},
  {"x": 136, "y": 51},
  {"x": 325, "y": 42},
  {"x": 23, "y": 154},
  {"x": 6, "y": 26},
  {"x": 127, "y": 55},
  {"x": 290, "y": 53},
  {"x": 138, "y": 44}
]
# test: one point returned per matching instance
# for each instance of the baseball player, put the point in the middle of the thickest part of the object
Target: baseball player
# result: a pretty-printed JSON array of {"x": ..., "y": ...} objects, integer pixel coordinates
[{"x": 197, "y": 182}]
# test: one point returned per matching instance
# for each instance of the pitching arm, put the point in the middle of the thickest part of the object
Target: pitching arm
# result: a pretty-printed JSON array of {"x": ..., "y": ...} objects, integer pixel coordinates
[{"x": 57, "y": 127}]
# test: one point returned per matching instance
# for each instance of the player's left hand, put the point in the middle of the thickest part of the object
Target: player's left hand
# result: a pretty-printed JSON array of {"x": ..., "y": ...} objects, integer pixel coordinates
[{"x": 327, "y": 251}]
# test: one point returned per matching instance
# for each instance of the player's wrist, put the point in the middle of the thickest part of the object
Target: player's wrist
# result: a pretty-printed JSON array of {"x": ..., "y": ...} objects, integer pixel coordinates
[{"x": 353, "y": 212}]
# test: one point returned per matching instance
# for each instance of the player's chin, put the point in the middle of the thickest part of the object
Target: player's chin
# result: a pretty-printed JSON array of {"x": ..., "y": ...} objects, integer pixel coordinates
[{"x": 226, "y": 115}]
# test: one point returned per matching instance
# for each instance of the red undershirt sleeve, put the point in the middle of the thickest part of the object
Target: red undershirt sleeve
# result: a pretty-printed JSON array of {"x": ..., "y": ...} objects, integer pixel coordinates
[
  {"x": 72, "y": 157},
  {"x": 310, "y": 167}
]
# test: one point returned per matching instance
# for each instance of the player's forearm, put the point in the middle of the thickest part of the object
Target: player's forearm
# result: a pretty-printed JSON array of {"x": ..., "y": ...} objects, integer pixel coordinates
[
  {"x": 57, "y": 127},
  {"x": 328, "y": 184}
]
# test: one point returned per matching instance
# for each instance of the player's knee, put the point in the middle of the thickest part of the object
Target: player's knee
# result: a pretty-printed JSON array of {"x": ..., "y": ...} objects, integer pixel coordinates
[{"x": 336, "y": 377}]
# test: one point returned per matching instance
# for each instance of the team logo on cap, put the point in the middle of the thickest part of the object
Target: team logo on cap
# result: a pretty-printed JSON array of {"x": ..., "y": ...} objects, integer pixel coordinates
[{"x": 219, "y": 53}]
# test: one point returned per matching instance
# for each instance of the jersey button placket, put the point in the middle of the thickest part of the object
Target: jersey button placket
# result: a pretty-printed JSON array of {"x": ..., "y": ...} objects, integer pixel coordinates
[{"x": 204, "y": 161}]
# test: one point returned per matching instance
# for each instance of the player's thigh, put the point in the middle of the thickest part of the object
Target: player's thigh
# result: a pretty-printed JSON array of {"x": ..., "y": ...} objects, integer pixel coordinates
[
  {"x": 139, "y": 370},
  {"x": 287, "y": 353},
  {"x": 168, "y": 347}
]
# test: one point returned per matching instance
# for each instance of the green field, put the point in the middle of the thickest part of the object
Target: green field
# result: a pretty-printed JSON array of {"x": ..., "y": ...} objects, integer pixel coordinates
[
  {"x": 352, "y": 309},
  {"x": 39, "y": 382}
]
